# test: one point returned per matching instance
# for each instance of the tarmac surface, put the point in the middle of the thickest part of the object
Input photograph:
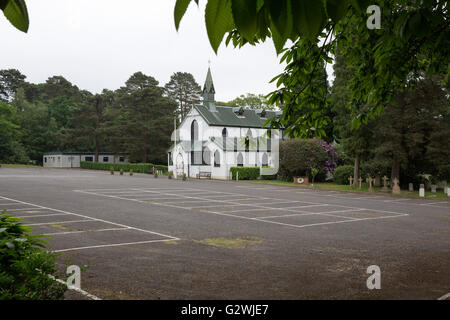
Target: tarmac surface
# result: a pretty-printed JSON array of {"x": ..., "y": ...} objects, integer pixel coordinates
[{"x": 137, "y": 237}]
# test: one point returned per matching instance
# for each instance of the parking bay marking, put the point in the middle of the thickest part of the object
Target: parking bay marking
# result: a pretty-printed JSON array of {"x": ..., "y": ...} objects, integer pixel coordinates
[
  {"x": 170, "y": 238},
  {"x": 348, "y": 219}
]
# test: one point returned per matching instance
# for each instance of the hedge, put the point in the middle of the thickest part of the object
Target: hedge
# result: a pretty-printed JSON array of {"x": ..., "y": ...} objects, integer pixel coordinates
[
  {"x": 342, "y": 173},
  {"x": 137, "y": 167},
  {"x": 245, "y": 173}
]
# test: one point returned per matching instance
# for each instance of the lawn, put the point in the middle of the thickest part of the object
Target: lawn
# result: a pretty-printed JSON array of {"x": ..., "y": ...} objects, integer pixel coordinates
[
  {"x": 440, "y": 195},
  {"x": 15, "y": 165}
]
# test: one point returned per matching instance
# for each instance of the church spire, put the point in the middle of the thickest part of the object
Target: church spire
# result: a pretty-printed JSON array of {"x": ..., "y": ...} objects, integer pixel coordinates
[{"x": 208, "y": 92}]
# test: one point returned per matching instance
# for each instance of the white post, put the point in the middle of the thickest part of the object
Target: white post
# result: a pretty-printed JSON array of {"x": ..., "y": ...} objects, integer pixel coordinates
[
  {"x": 237, "y": 175},
  {"x": 422, "y": 191}
]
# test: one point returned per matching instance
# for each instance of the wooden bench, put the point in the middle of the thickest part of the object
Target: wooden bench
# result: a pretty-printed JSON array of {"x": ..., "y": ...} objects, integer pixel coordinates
[{"x": 206, "y": 174}]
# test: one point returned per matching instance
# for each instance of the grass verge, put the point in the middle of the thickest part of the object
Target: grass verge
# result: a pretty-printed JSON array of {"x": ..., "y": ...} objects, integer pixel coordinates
[{"x": 440, "y": 195}]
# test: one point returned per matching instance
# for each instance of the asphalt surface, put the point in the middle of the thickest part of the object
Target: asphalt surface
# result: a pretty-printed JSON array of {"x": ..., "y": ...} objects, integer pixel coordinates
[{"x": 138, "y": 237}]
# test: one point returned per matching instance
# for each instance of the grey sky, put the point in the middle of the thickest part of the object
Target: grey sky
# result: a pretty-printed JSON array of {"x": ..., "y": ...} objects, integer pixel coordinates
[{"x": 98, "y": 44}]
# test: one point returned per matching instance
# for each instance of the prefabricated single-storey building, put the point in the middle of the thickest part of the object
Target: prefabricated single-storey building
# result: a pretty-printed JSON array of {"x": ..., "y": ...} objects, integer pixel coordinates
[{"x": 73, "y": 159}]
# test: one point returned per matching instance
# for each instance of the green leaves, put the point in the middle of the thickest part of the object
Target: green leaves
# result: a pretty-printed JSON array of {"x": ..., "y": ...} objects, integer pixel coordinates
[
  {"x": 16, "y": 12},
  {"x": 245, "y": 17},
  {"x": 179, "y": 11},
  {"x": 250, "y": 21},
  {"x": 309, "y": 18},
  {"x": 219, "y": 20}
]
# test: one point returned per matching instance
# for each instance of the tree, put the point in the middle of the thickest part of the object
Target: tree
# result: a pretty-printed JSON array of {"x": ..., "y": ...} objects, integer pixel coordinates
[
  {"x": 411, "y": 133},
  {"x": 183, "y": 88},
  {"x": 412, "y": 32},
  {"x": 251, "y": 101},
  {"x": 8, "y": 132},
  {"x": 140, "y": 121},
  {"x": 10, "y": 81},
  {"x": 89, "y": 121},
  {"x": 57, "y": 87},
  {"x": 37, "y": 128},
  {"x": 298, "y": 157},
  {"x": 355, "y": 141}
]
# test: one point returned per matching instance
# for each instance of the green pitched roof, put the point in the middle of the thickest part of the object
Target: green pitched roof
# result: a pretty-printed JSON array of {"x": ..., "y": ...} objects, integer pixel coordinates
[{"x": 228, "y": 116}]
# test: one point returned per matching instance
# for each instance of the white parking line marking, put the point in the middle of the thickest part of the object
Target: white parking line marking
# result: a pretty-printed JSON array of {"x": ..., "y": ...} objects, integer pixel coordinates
[
  {"x": 229, "y": 203},
  {"x": 58, "y": 222},
  {"x": 313, "y": 213},
  {"x": 169, "y": 238},
  {"x": 84, "y": 293},
  {"x": 42, "y": 215},
  {"x": 115, "y": 245},
  {"x": 81, "y": 231},
  {"x": 432, "y": 203},
  {"x": 20, "y": 209},
  {"x": 445, "y": 296}
]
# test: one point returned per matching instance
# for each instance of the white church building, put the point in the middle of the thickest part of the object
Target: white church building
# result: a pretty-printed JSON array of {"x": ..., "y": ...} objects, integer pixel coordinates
[{"x": 211, "y": 139}]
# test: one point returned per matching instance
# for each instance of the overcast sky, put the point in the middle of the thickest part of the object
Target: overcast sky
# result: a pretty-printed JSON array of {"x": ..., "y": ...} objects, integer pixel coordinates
[{"x": 98, "y": 44}]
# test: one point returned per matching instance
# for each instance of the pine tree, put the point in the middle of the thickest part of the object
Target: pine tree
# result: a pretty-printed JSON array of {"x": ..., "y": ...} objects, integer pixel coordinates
[{"x": 183, "y": 88}]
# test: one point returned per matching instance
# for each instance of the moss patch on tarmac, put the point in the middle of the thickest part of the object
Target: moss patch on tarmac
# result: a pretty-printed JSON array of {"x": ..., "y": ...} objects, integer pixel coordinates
[
  {"x": 58, "y": 226},
  {"x": 171, "y": 242},
  {"x": 231, "y": 243}
]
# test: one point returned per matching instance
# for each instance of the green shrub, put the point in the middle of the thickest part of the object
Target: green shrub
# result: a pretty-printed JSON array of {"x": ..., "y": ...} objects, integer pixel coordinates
[
  {"x": 298, "y": 156},
  {"x": 374, "y": 168},
  {"x": 137, "y": 167},
  {"x": 342, "y": 173},
  {"x": 25, "y": 264},
  {"x": 245, "y": 173}
]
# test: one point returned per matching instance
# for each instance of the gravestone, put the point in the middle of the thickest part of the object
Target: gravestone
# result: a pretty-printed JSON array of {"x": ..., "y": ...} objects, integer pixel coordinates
[
  {"x": 411, "y": 187},
  {"x": 351, "y": 181},
  {"x": 396, "y": 188},
  {"x": 377, "y": 182},
  {"x": 433, "y": 188},
  {"x": 422, "y": 190},
  {"x": 370, "y": 180},
  {"x": 385, "y": 185},
  {"x": 445, "y": 186},
  {"x": 360, "y": 182}
]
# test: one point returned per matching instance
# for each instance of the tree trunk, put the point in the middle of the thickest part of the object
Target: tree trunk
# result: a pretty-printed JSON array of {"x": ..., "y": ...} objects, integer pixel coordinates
[
  {"x": 144, "y": 156},
  {"x": 96, "y": 149},
  {"x": 395, "y": 171},
  {"x": 356, "y": 169}
]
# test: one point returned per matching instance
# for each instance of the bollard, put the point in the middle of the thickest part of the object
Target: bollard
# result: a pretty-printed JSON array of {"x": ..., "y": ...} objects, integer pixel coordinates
[
  {"x": 422, "y": 191},
  {"x": 237, "y": 175}
]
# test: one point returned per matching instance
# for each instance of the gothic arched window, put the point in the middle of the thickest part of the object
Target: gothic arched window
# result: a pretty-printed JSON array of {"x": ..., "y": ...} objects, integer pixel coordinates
[
  {"x": 224, "y": 138},
  {"x": 217, "y": 158},
  {"x": 240, "y": 160},
  {"x": 194, "y": 130},
  {"x": 265, "y": 160}
]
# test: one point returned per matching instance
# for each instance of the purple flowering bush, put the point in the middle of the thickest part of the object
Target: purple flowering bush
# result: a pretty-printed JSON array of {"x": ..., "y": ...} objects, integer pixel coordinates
[{"x": 299, "y": 156}]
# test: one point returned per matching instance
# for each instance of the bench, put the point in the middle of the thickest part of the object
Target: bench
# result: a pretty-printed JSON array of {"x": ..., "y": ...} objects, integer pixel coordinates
[{"x": 206, "y": 174}]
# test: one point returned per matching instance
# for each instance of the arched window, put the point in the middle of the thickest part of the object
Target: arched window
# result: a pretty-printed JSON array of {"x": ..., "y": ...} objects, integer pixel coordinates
[
  {"x": 265, "y": 160},
  {"x": 247, "y": 140},
  {"x": 224, "y": 138},
  {"x": 196, "y": 151},
  {"x": 206, "y": 156},
  {"x": 217, "y": 158},
  {"x": 240, "y": 160},
  {"x": 194, "y": 130}
]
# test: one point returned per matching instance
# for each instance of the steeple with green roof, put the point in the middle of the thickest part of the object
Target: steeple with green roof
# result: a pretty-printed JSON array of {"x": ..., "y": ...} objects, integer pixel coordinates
[{"x": 208, "y": 92}]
